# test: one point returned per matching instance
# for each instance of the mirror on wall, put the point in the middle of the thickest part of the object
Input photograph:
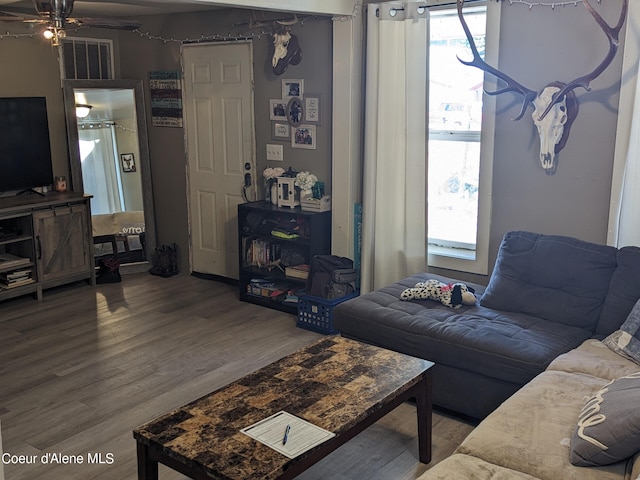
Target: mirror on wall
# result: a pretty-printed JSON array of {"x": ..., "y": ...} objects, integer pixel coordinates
[{"x": 109, "y": 160}]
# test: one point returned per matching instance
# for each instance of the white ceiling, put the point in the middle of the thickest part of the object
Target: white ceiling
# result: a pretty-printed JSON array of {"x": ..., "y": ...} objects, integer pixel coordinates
[
  {"x": 116, "y": 8},
  {"x": 122, "y": 8},
  {"x": 106, "y": 103}
]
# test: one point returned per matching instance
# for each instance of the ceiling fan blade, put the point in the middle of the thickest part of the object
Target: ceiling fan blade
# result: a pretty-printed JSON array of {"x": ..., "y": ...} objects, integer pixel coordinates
[
  {"x": 19, "y": 16},
  {"x": 57, "y": 11},
  {"x": 10, "y": 17},
  {"x": 113, "y": 23}
]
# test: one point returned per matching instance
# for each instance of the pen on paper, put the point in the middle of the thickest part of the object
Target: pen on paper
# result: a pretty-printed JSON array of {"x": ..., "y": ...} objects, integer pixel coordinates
[{"x": 286, "y": 435}]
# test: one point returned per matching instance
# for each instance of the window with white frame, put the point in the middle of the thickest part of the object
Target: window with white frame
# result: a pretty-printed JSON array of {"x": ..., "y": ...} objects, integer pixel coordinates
[{"x": 460, "y": 141}]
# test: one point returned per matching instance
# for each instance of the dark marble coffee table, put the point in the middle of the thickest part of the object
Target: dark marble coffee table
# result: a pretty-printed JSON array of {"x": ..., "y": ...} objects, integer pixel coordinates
[{"x": 338, "y": 384}]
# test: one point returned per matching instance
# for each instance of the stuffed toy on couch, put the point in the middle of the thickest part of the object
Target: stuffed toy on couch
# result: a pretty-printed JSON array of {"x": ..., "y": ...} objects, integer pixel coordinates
[{"x": 452, "y": 295}]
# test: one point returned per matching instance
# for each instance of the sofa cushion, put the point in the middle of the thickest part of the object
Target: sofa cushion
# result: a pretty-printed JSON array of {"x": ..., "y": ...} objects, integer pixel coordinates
[
  {"x": 531, "y": 431},
  {"x": 624, "y": 291},
  {"x": 458, "y": 467},
  {"x": 595, "y": 359},
  {"x": 635, "y": 467},
  {"x": 560, "y": 279},
  {"x": 626, "y": 341},
  {"x": 510, "y": 347},
  {"x": 608, "y": 429}
]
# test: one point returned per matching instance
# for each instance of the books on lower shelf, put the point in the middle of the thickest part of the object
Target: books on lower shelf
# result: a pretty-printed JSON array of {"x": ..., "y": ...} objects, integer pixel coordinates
[
  {"x": 16, "y": 278},
  {"x": 8, "y": 260},
  {"x": 281, "y": 292},
  {"x": 266, "y": 288}
]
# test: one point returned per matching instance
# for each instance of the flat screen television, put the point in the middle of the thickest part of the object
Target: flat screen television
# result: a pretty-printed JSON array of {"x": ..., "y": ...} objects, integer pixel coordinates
[{"x": 25, "y": 149}]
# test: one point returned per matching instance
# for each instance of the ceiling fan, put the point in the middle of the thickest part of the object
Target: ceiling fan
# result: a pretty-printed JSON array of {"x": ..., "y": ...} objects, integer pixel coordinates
[{"x": 55, "y": 14}]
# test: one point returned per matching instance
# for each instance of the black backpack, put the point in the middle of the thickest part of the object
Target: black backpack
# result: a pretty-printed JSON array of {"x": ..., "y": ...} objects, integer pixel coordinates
[{"x": 331, "y": 276}]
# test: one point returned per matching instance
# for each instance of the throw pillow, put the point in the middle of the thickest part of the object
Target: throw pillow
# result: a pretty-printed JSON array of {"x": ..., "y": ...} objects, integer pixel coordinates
[
  {"x": 626, "y": 341},
  {"x": 608, "y": 429}
]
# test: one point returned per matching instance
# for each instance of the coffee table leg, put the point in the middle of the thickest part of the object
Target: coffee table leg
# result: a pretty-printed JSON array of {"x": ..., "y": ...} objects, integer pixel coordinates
[
  {"x": 424, "y": 411},
  {"x": 147, "y": 468}
]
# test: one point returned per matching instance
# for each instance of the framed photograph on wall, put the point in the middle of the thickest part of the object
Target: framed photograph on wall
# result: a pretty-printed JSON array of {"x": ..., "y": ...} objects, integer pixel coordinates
[
  {"x": 295, "y": 111},
  {"x": 278, "y": 110},
  {"x": 312, "y": 109},
  {"x": 128, "y": 162},
  {"x": 304, "y": 136},
  {"x": 292, "y": 88},
  {"x": 281, "y": 131}
]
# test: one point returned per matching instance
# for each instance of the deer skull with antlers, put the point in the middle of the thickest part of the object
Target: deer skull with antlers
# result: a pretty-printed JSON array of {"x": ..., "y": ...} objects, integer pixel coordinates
[
  {"x": 286, "y": 49},
  {"x": 556, "y": 105}
]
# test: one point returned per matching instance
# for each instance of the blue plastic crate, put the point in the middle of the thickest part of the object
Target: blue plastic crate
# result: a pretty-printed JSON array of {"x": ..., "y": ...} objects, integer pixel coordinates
[{"x": 315, "y": 313}]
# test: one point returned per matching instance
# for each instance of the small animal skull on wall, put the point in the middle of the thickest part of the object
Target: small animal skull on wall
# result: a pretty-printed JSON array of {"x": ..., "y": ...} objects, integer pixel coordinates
[
  {"x": 286, "y": 48},
  {"x": 556, "y": 105},
  {"x": 286, "y": 51},
  {"x": 554, "y": 127}
]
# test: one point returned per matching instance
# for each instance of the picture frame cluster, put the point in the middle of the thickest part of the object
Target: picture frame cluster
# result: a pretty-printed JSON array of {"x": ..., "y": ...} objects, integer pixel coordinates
[{"x": 295, "y": 116}]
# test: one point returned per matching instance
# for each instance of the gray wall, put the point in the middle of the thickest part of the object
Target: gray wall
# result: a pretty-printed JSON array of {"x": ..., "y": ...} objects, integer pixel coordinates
[
  {"x": 556, "y": 45},
  {"x": 37, "y": 76},
  {"x": 140, "y": 55},
  {"x": 537, "y": 46}
]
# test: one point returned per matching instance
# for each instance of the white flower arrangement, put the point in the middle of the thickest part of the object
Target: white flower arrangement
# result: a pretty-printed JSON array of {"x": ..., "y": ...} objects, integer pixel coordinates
[
  {"x": 305, "y": 181},
  {"x": 273, "y": 173}
]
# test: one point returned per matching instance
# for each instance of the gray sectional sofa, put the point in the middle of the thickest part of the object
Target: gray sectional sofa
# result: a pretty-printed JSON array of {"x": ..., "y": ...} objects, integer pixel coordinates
[
  {"x": 546, "y": 296},
  {"x": 532, "y": 436}
]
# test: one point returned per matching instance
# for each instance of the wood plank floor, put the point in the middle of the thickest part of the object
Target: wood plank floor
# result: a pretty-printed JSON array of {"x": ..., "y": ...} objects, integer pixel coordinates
[{"x": 81, "y": 369}]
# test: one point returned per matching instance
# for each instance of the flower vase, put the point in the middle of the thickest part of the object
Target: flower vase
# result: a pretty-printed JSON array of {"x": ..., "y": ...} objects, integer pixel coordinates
[
  {"x": 305, "y": 193},
  {"x": 274, "y": 193}
]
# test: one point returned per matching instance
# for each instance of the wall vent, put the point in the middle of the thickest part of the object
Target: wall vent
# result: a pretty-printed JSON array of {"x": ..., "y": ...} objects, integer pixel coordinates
[{"x": 87, "y": 59}]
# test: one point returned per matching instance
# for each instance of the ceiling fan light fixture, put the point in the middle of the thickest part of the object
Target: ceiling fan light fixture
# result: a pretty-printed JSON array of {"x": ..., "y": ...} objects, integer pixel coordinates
[
  {"x": 55, "y": 35},
  {"x": 82, "y": 110}
]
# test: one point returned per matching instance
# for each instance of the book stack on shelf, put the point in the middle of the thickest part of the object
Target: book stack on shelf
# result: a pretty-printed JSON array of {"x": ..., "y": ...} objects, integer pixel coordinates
[
  {"x": 300, "y": 272},
  {"x": 260, "y": 253},
  {"x": 15, "y": 278},
  {"x": 260, "y": 287},
  {"x": 13, "y": 275},
  {"x": 8, "y": 260},
  {"x": 276, "y": 291}
]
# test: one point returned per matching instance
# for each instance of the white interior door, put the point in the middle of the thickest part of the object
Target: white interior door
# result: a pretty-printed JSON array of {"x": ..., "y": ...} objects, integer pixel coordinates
[{"x": 218, "y": 104}]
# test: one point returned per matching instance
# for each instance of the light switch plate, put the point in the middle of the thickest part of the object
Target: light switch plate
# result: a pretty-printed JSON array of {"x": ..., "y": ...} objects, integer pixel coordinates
[{"x": 274, "y": 152}]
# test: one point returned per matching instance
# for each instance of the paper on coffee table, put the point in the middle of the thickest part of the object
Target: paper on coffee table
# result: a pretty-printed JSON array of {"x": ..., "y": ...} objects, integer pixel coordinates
[{"x": 302, "y": 435}]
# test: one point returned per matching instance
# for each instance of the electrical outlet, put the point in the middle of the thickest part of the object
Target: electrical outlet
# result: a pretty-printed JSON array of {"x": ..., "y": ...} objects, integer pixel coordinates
[{"x": 274, "y": 152}]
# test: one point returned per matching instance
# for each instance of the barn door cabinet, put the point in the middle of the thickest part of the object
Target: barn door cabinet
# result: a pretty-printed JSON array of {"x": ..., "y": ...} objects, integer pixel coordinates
[{"x": 45, "y": 241}]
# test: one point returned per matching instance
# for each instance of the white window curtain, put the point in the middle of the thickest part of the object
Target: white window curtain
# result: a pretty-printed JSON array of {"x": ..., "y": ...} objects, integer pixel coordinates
[
  {"x": 394, "y": 186},
  {"x": 100, "y": 171},
  {"x": 624, "y": 227}
]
